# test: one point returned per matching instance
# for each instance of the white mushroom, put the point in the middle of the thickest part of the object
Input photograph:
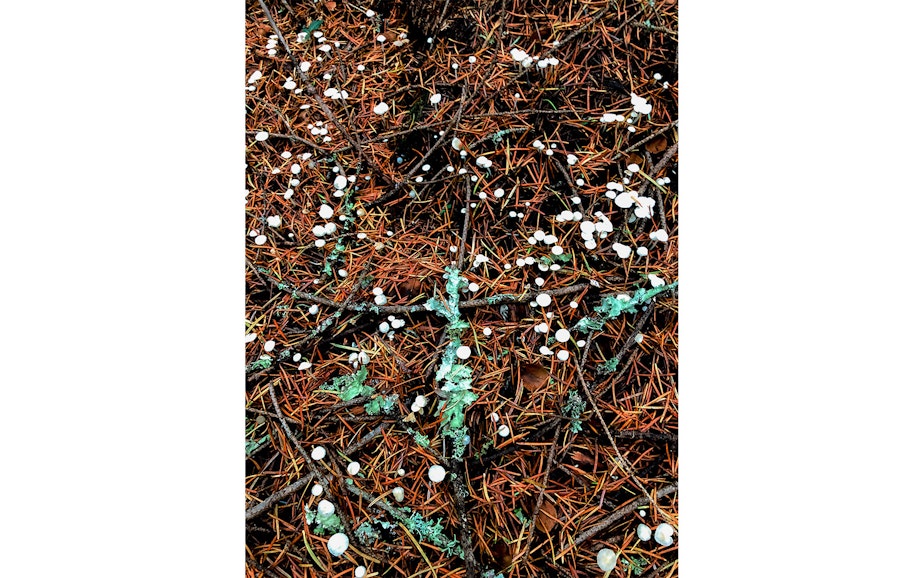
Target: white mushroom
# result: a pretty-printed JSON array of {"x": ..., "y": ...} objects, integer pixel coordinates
[
  {"x": 436, "y": 473},
  {"x": 338, "y": 544},
  {"x": 606, "y": 559},
  {"x": 664, "y": 534}
]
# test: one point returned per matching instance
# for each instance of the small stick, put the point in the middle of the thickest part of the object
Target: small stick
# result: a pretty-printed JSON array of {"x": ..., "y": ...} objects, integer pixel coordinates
[
  {"x": 468, "y": 211},
  {"x": 620, "y": 514}
]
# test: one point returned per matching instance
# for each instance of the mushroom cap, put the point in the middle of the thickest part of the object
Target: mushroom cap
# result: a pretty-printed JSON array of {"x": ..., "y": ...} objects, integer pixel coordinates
[
  {"x": 436, "y": 473},
  {"x": 606, "y": 559},
  {"x": 325, "y": 508},
  {"x": 338, "y": 544},
  {"x": 643, "y": 532},
  {"x": 664, "y": 534}
]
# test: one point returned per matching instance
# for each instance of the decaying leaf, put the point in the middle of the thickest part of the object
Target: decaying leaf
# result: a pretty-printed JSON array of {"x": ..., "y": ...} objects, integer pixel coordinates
[
  {"x": 547, "y": 518},
  {"x": 533, "y": 376},
  {"x": 581, "y": 457},
  {"x": 502, "y": 555},
  {"x": 657, "y": 144}
]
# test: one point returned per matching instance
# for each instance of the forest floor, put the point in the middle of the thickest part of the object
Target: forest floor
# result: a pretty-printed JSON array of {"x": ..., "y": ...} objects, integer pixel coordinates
[{"x": 461, "y": 315}]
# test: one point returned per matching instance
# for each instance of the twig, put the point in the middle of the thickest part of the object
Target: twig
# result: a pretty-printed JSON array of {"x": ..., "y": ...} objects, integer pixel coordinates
[
  {"x": 467, "y": 211},
  {"x": 459, "y": 495},
  {"x": 550, "y": 460},
  {"x": 295, "y": 486},
  {"x": 292, "y": 137},
  {"x": 652, "y": 136},
  {"x": 353, "y": 448},
  {"x": 620, "y": 514}
]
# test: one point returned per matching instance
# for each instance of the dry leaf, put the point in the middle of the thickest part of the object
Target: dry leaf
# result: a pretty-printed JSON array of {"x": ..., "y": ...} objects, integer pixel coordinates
[
  {"x": 548, "y": 516},
  {"x": 501, "y": 554},
  {"x": 656, "y": 145},
  {"x": 634, "y": 158},
  {"x": 410, "y": 288},
  {"x": 331, "y": 5},
  {"x": 533, "y": 376},
  {"x": 581, "y": 457}
]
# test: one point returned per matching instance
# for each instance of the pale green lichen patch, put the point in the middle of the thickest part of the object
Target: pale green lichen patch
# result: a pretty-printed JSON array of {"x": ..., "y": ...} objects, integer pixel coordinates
[
  {"x": 612, "y": 307},
  {"x": 456, "y": 377}
]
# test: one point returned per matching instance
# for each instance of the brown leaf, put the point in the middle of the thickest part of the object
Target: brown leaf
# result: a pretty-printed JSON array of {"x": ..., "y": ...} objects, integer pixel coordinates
[
  {"x": 331, "y": 5},
  {"x": 548, "y": 516},
  {"x": 501, "y": 554},
  {"x": 634, "y": 158},
  {"x": 656, "y": 145},
  {"x": 581, "y": 457},
  {"x": 410, "y": 288},
  {"x": 390, "y": 36},
  {"x": 533, "y": 376}
]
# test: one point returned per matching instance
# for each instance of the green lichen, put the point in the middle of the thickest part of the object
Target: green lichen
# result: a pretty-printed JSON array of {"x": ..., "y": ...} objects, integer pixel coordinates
[
  {"x": 456, "y": 377},
  {"x": 572, "y": 409},
  {"x": 325, "y": 525},
  {"x": 260, "y": 364},
  {"x": 634, "y": 565},
  {"x": 431, "y": 531},
  {"x": 609, "y": 366},
  {"x": 421, "y": 439},
  {"x": 367, "y": 534},
  {"x": 351, "y": 386},
  {"x": 612, "y": 307},
  {"x": 381, "y": 404}
]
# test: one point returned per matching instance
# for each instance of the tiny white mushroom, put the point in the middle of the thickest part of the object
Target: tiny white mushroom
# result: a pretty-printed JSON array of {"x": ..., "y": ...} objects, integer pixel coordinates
[
  {"x": 563, "y": 355},
  {"x": 544, "y": 299},
  {"x": 503, "y": 431},
  {"x": 398, "y": 493},
  {"x": 643, "y": 532},
  {"x": 353, "y": 468},
  {"x": 318, "y": 453},
  {"x": 562, "y": 335},
  {"x": 606, "y": 559},
  {"x": 317, "y": 490},
  {"x": 464, "y": 352},
  {"x": 664, "y": 534},
  {"x": 325, "y": 211},
  {"x": 261, "y": 136},
  {"x": 340, "y": 182},
  {"x": 436, "y": 98},
  {"x": 260, "y": 239},
  {"x": 360, "y": 570},
  {"x": 338, "y": 544},
  {"x": 325, "y": 508},
  {"x": 608, "y": 117},
  {"x": 380, "y": 109},
  {"x": 436, "y": 473}
]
